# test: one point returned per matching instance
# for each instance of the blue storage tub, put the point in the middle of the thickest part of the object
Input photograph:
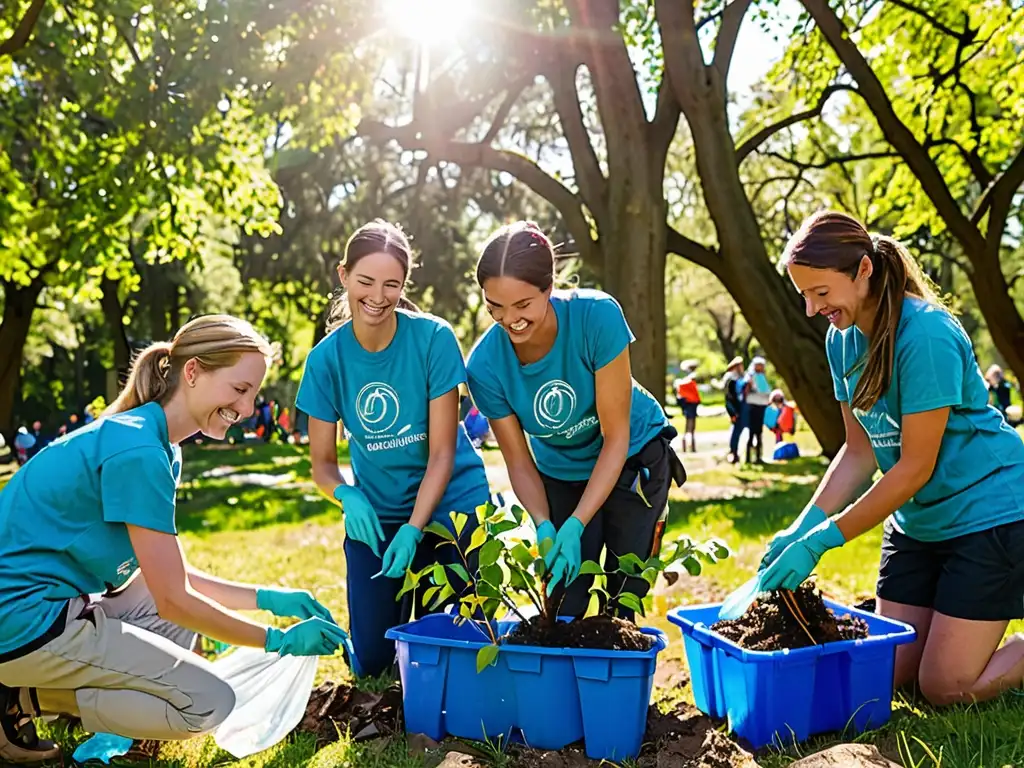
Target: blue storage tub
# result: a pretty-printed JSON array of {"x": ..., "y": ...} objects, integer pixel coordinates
[
  {"x": 790, "y": 695},
  {"x": 547, "y": 697}
]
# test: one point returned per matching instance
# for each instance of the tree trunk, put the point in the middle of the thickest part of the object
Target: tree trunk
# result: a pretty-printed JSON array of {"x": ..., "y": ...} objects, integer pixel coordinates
[
  {"x": 794, "y": 343},
  {"x": 1005, "y": 324},
  {"x": 113, "y": 313},
  {"x": 19, "y": 304}
]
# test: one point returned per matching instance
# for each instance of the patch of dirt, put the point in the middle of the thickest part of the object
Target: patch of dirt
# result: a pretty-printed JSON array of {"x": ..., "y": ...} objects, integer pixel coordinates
[
  {"x": 670, "y": 673},
  {"x": 334, "y": 709},
  {"x": 603, "y": 632},
  {"x": 774, "y": 622}
]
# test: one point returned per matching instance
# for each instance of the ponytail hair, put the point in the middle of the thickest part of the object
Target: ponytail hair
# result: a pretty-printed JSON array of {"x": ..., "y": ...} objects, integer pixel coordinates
[
  {"x": 836, "y": 241},
  {"x": 215, "y": 341}
]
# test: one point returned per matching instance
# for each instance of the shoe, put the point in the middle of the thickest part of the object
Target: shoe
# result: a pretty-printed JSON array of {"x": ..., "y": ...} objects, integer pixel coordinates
[{"x": 19, "y": 742}]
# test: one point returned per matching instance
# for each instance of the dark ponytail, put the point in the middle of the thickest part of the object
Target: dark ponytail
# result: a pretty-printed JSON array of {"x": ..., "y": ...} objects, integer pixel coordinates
[{"x": 833, "y": 240}]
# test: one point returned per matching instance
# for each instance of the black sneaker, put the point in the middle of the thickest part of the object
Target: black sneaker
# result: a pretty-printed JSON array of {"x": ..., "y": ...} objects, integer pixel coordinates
[{"x": 19, "y": 742}]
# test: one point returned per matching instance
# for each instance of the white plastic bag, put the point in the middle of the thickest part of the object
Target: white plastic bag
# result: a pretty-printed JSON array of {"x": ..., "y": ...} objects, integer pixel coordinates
[{"x": 271, "y": 693}]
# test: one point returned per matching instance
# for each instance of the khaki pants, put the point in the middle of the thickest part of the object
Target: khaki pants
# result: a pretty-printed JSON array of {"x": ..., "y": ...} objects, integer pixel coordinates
[{"x": 133, "y": 673}]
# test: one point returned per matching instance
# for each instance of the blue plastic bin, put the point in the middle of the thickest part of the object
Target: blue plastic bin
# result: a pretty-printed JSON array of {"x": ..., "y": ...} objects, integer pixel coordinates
[
  {"x": 547, "y": 697},
  {"x": 790, "y": 695}
]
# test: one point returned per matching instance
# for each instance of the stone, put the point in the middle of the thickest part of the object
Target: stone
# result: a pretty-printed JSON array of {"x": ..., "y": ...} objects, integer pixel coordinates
[
  {"x": 847, "y": 756},
  {"x": 459, "y": 760}
]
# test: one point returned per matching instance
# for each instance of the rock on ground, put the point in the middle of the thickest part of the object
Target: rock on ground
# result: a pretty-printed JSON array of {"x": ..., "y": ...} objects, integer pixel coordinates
[{"x": 847, "y": 756}]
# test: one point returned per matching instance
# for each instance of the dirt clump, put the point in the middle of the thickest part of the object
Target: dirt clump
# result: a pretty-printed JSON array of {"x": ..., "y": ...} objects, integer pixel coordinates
[
  {"x": 784, "y": 619},
  {"x": 337, "y": 709},
  {"x": 600, "y": 632}
]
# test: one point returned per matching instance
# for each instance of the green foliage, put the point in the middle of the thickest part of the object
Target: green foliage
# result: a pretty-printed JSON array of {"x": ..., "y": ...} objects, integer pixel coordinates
[{"x": 510, "y": 572}]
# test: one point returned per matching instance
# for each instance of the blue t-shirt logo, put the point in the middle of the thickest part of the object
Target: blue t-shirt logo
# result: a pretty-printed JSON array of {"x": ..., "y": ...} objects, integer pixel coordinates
[
  {"x": 554, "y": 405},
  {"x": 883, "y": 430},
  {"x": 378, "y": 407}
]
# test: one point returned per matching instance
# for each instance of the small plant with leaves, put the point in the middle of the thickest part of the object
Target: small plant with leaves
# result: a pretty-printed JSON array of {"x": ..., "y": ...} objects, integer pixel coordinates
[{"x": 498, "y": 568}]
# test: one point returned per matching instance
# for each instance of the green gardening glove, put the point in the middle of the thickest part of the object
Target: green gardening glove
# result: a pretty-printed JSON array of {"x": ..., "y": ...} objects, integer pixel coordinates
[
  {"x": 546, "y": 532},
  {"x": 312, "y": 637},
  {"x": 812, "y": 516},
  {"x": 399, "y": 554},
  {"x": 291, "y": 602},
  {"x": 361, "y": 522},
  {"x": 799, "y": 559},
  {"x": 563, "y": 561}
]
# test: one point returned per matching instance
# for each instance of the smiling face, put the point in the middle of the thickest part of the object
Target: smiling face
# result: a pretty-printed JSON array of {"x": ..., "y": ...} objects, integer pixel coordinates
[
  {"x": 217, "y": 399},
  {"x": 834, "y": 294},
  {"x": 519, "y": 307},
  {"x": 374, "y": 285}
]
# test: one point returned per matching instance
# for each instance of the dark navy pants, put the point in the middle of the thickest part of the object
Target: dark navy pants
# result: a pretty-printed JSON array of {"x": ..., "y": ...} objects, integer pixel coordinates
[{"x": 372, "y": 607}]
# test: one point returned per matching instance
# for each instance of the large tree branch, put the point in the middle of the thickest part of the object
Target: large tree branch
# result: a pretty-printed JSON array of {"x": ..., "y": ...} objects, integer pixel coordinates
[
  {"x": 665, "y": 122},
  {"x": 927, "y": 17},
  {"x": 591, "y": 182},
  {"x": 914, "y": 154},
  {"x": 477, "y": 155},
  {"x": 691, "y": 250},
  {"x": 728, "y": 32},
  {"x": 20, "y": 37},
  {"x": 998, "y": 198},
  {"x": 830, "y": 161},
  {"x": 501, "y": 116},
  {"x": 768, "y": 131}
]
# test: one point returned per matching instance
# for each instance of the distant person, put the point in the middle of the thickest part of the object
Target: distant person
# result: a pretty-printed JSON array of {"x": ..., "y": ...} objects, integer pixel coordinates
[
  {"x": 780, "y": 418},
  {"x": 756, "y": 395},
  {"x": 73, "y": 422},
  {"x": 40, "y": 439},
  {"x": 733, "y": 384},
  {"x": 94, "y": 514},
  {"x": 23, "y": 444},
  {"x": 999, "y": 389},
  {"x": 688, "y": 399}
]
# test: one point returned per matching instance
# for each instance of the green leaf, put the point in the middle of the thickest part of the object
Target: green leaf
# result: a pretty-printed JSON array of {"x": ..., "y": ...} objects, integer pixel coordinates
[
  {"x": 521, "y": 554},
  {"x": 429, "y": 594},
  {"x": 485, "y": 657},
  {"x": 518, "y": 513},
  {"x": 721, "y": 550},
  {"x": 440, "y": 577},
  {"x": 654, "y": 562},
  {"x": 439, "y": 529},
  {"x": 501, "y": 527},
  {"x": 632, "y": 602},
  {"x": 459, "y": 571},
  {"x": 545, "y": 546},
  {"x": 692, "y": 565},
  {"x": 596, "y": 590},
  {"x": 650, "y": 575},
  {"x": 590, "y": 568},
  {"x": 492, "y": 574},
  {"x": 490, "y": 552},
  {"x": 459, "y": 520},
  {"x": 630, "y": 564},
  {"x": 488, "y": 590},
  {"x": 519, "y": 581},
  {"x": 477, "y": 539},
  {"x": 444, "y": 594}
]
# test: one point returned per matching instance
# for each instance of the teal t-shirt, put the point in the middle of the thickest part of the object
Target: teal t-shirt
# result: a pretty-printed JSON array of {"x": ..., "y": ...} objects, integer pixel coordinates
[
  {"x": 978, "y": 481},
  {"x": 383, "y": 400},
  {"x": 554, "y": 398},
  {"x": 63, "y": 516}
]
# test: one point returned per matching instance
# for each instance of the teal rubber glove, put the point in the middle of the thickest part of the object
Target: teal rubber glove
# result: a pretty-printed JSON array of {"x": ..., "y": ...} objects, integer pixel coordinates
[
  {"x": 361, "y": 522},
  {"x": 798, "y": 560},
  {"x": 312, "y": 637},
  {"x": 400, "y": 552},
  {"x": 563, "y": 561},
  {"x": 811, "y": 517},
  {"x": 291, "y": 602},
  {"x": 103, "y": 747},
  {"x": 546, "y": 531}
]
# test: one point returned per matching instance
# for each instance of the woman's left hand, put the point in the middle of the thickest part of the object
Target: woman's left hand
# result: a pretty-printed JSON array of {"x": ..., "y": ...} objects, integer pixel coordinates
[
  {"x": 799, "y": 559},
  {"x": 297, "y": 603}
]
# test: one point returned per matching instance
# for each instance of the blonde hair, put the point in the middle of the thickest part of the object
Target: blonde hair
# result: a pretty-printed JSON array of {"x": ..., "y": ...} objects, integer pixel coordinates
[
  {"x": 837, "y": 241},
  {"x": 215, "y": 341}
]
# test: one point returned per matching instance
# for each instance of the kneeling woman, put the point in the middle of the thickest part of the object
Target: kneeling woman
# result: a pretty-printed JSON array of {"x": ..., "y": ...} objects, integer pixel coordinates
[
  {"x": 94, "y": 512},
  {"x": 951, "y": 493},
  {"x": 390, "y": 378},
  {"x": 556, "y": 365}
]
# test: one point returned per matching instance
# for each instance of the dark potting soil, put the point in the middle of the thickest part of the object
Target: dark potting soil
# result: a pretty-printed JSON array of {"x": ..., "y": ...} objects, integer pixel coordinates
[
  {"x": 770, "y": 624},
  {"x": 334, "y": 709},
  {"x": 602, "y": 632}
]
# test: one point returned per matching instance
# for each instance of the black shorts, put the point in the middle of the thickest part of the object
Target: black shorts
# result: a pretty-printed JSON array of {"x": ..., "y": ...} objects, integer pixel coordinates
[
  {"x": 689, "y": 409},
  {"x": 979, "y": 576}
]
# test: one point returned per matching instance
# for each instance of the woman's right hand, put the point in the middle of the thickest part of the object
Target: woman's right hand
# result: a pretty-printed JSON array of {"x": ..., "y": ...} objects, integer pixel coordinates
[
  {"x": 361, "y": 522},
  {"x": 312, "y": 637}
]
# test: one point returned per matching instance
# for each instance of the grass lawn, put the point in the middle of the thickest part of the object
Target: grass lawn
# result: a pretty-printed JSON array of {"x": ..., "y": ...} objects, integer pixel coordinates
[{"x": 250, "y": 513}]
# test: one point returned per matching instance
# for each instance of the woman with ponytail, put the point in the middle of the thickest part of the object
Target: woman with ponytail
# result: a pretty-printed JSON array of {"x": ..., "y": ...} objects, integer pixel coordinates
[
  {"x": 951, "y": 493},
  {"x": 93, "y": 513},
  {"x": 388, "y": 376}
]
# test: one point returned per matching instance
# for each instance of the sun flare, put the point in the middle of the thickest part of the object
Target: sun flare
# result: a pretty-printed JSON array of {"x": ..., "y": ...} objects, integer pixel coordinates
[{"x": 428, "y": 21}]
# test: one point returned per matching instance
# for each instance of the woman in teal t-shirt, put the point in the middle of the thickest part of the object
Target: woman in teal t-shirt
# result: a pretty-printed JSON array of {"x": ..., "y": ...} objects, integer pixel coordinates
[
  {"x": 555, "y": 365},
  {"x": 93, "y": 513},
  {"x": 390, "y": 377},
  {"x": 952, "y": 487}
]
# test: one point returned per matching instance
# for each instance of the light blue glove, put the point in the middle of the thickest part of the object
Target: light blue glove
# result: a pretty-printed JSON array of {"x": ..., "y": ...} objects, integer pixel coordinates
[
  {"x": 361, "y": 521},
  {"x": 546, "y": 530},
  {"x": 102, "y": 747},
  {"x": 811, "y": 517},
  {"x": 798, "y": 560},
  {"x": 312, "y": 637},
  {"x": 291, "y": 602},
  {"x": 400, "y": 552},
  {"x": 563, "y": 561}
]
